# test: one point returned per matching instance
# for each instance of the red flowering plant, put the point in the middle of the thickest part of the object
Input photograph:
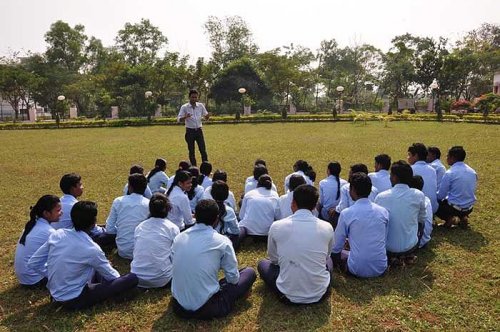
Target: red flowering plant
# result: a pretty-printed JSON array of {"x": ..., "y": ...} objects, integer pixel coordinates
[{"x": 461, "y": 104}]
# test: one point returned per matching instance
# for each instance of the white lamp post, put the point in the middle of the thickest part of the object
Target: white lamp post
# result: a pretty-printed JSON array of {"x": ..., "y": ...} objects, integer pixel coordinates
[
  {"x": 242, "y": 92},
  {"x": 340, "y": 89},
  {"x": 435, "y": 102}
]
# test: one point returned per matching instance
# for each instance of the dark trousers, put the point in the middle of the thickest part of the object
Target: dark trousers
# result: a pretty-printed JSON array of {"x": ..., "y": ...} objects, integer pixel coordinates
[
  {"x": 403, "y": 254},
  {"x": 98, "y": 292},
  {"x": 446, "y": 211},
  {"x": 106, "y": 241},
  {"x": 195, "y": 135},
  {"x": 39, "y": 285},
  {"x": 269, "y": 273},
  {"x": 222, "y": 302}
]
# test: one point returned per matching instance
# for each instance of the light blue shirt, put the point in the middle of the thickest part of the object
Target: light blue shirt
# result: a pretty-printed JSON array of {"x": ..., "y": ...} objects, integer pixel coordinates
[
  {"x": 34, "y": 240},
  {"x": 230, "y": 222},
  {"x": 440, "y": 170},
  {"x": 152, "y": 261},
  {"x": 71, "y": 258},
  {"x": 147, "y": 193},
  {"x": 458, "y": 186},
  {"x": 231, "y": 201},
  {"x": 197, "y": 113},
  {"x": 180, "y": 214},
  {"x": 159, "y": 182},
  {"x": 406, "y": 208},
  {"x": 430, "y": 181},
  {"x": 198, "y": 195},
  {"x": 426, "y": 236},
  {"x": 346, "y": 200},
  {"x": 251, "y": 184},
  {"x": 381, "y": 180},
  {"x": 365, "y": 224},
  {"x": 328, "y": 194},
  {"x": 259, "y": 209},
  {"x": 198, "y": 255},
  {"x": 126, "y": 213},
  {"x": 67, "y": 202},
  {"x": 207, "y": 182}
]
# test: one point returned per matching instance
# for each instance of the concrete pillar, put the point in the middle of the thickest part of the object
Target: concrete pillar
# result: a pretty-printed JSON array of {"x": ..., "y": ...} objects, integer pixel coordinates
[{"x": 114, "y": 112}]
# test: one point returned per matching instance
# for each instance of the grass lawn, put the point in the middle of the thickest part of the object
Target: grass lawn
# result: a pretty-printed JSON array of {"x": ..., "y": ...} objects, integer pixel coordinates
[{"x": 453, "y": 286}]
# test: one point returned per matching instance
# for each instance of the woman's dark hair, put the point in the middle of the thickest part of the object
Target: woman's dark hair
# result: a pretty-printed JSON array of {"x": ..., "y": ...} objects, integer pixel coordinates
[
  {"x": 159, "y": 206},
  {"x": 302, "y": 165},
  {"x": 195, "y": 173},
  {"x": 180, "y": 176},
  {"x": 45, "y": 203},
  {"x": 295, "y": 181},
  {"x": 84, "y": 215},
  {"x": 68, "y": 181},
  {"x": 265, "y": 181},
  {"x": 160, "y": 165},
  {"x": 136, "y": 169},
  {"x": 220, "y": 192},
  {"x": 334, "y": 169},
  {"x": 259, "y": 170},
  {"x": 184, "y": 165},
  {"x": 220, "y": 174},
  {"x": 205, "y": 170}
]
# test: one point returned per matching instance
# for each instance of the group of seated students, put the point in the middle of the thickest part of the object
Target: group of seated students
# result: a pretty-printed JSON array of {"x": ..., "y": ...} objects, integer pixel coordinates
[{"x": 180, "y": 231}]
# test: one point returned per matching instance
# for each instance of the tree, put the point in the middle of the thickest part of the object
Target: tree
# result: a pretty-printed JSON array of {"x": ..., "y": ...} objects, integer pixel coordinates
[
  {"x": 141, "y": 42},
  {"x": 16, "y": 85},
  {"x": 66, "y": 45},
  {"x": 230, "y": 38}
]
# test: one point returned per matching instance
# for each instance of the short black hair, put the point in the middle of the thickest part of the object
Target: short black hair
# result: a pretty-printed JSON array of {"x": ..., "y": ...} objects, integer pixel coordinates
[
  {"x": 417, "y": 182},
  {"x": 138, "y": 183},
  {"x": 84, "y": 215},
  {"x": 193, "y": 91},
  {"x": 403, "y": 171},
  {"x": 136, "y": 169},
  {"x": 306, "y": 196},
  {"x": 259, "y": 170},
  {"x": 220, "y": 190},
  {"x": 383, "y": 160},
  {"x": 295, "y": 181},
  {"x": 206, "y": 212},
  {"x": 356, "y": 168},
  {"x": 457, "y": 153},
  {"x": 159, "y": 206},
  {"x": 418, "y": 149},
  {"x": 361, "y": 184},
  {"x": 68, "y": 181},
  {"x": 206, "y": 168},
  {"x": 220, "y": 174},
  {"x": 435, "y": 151},
  {"x": 259, "y": 161}
]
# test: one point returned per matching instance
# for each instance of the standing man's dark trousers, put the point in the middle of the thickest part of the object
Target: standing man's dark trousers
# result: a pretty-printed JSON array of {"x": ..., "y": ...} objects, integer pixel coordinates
[{"x": 195, "y": 135}]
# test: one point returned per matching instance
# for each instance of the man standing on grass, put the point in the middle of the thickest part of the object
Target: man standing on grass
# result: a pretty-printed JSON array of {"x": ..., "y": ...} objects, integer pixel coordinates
[{"x": 192, "y": 114}]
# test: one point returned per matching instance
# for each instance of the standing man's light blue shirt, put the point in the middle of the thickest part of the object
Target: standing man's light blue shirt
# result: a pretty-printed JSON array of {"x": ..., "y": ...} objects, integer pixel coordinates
[
  {"x": 346, "y": 199},
  {"x": 381, "y": 180},
  {"x": 67, "y": 202},
  {"x": 328, "y": 194},
  {"x": 365, "y": 224},
  {"x": 72, "y": 259},
  {"x": 458, "y": 186},
  {"x": 197, "y": 114},
  {"x": 34, "y": 240},
  {"x": 126, "y": 213},
  {"x": 440, "y": 170},
  {"x": 430, "y": 181},
  {"x": 406, "y": 208},
  {"x": 198, "y": 255}
]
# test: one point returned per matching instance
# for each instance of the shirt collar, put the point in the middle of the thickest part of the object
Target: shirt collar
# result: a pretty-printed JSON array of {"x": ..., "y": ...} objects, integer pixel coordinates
[
  {"x": 363, "y": 200},
  {"x": 458, "y": 164},
  {"x": 69, "y": 197},
  {"x": 383, "y": 171},
  {"x": 401, "y": 186},
  {"x": 420, "y": 162},
  {"x": 303, "y": 212},
  {"x": 43, "y": 221},
  {"x": 201, "y": 227}
]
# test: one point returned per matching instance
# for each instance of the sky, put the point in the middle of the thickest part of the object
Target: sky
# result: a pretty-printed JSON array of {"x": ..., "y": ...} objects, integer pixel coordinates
[{"x": 274, "y": 23}]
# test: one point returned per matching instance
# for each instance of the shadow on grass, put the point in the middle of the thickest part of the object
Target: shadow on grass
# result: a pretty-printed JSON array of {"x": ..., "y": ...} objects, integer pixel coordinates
[{"x": 468, "y": 239}]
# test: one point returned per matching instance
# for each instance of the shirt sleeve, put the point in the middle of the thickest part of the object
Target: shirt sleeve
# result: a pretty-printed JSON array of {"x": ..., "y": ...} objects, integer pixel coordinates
[
  {"x": 147, "y": 193},
  {"x": 112, "y": 218},
  {"x": 344, "y": 200},
  {"x": 101, "y": 264},
  {"x": 186, "y": 212},
  {"x": 243, "y": 207},
  {"x": 422, "y": 213},
  {"x": 38, "y": 261},
  {"x": 232, "y": 222},
  {"x": 229, "y": 264},
  {"x": 444, "y": 187},
  {"x": 182, "y": 113},
  {"x": 341, "y": 233},
  {"x": 204, "y": 111},
  {"x": 231, "y": 200},
  {"x": 272, "y": 249}
]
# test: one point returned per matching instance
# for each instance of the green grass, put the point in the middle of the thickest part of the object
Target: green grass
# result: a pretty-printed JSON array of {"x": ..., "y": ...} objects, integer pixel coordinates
[{"x": 453, "y": 286}]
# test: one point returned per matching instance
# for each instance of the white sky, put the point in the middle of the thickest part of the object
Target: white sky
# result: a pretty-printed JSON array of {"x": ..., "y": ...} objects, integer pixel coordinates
[{"x": 23, "y": 23}]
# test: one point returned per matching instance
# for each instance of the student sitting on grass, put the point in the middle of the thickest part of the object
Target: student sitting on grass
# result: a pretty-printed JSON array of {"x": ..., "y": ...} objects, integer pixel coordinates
[
  {"x": 197, "y": 256},
  {"x": 251, "y": 184},
  {"x": 365, "y": 225},
  {"x": 79, "y": 275},
  {"x": 381, "y": 177},
  {"x": 180, "y": 214},
  {"x": 285, "y": 201},
  {"x": 204, "y": 180},
  {"x": 329, "y": 191},
  {"x": 406, "y": 208},
  {"x": 417, "y": 156},
  {"x": 37, "y": 230},
  {"x": 251, "y": 178},
  {"x": 153, "y": 240},
  {"x": 183, "y": 166},
  {"x": 299, "y": 265},
  {"x": 456, "y": 194},
  {"x": 434, "y": 160},
  {"x": 425, "y": 231},
  {"x": 126, "y": 213},
  {"x": 222, "y": 176},
  {"x": 71, "y": 186},
  {"x": 301, "y": 167},
  {"x": 228, "y": 223},
  {"x": 195, "y": 194},
  {"x": 137, "y": 169},
  {"x": 157, "y": 178}
]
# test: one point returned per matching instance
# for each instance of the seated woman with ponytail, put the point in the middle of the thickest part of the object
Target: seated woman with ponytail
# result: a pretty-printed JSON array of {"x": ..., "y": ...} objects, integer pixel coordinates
[
  {"x": 228, "y": 223},
  {"x": 157, "y": 178},
  {"x": 301, "y": 167},
  {"x": 36, "y": 232},
  {"x": 180, "y": 214},
  {"x": 195, "y": 194},
  {"x": 220, "y": 175},
  {"x": 260, "y": 208},
  {"x": 329, "y": 191}
]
